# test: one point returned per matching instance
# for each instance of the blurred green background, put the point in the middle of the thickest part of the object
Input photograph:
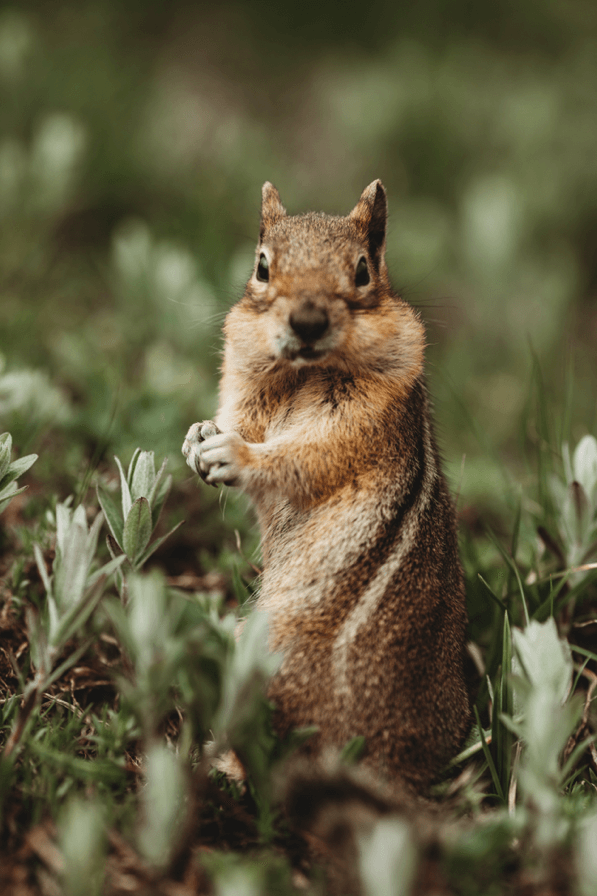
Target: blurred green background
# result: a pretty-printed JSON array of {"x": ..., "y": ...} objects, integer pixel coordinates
[{"x": 134, "y": 139}]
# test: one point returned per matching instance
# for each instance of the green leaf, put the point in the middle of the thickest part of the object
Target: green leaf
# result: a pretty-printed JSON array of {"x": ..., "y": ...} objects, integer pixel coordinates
[
  {"x": 544, "y": 657},
  {"x": 38, "y": 642},
  {"x": 63, "y": 521},
  {"x": 78, "y": 614},
  {"x": 585, "y": 465},
  {"x": 159, "y": 499},
  {"x": 488, "y": 759},
  {"x": 41, "y": 566},
  {"x": 157, "y": 481},
  {"x": 506, "y": 705},
  {"x": 53, "y": 621},
  {"x": 353, "y": 750},
  {"x": 92, "y": 537},
  {"x": 516, "y": 529},
  {"x": 584, "y": 652},
  {"x": 83, "y": 836},
  {"x": 16, "y": 469},
  {"x": 159, "y": 487},
  {"x": 147, "y": 617},
  {"x": 165, "y": 805},
  {"x": 512, "y": 725},
  {"x": 143, "y": 476},
  {"x": 250, "y": 666},
  {"x": 117, "y": 614},
  {"x": 492, "y": 593},
  {"x": 125, "y": 490},
  {"x": 507, "y": 700},
  {"x": 299, "y": 736},
  {"x": 71, "y": 564},
  {"x": 106, "y": 570},
  {"x": 471, "y": 749},
  {"x": 22, "y": 464},
  {"x": 7, "y": 494},
  {"x": 514, "y": 569},
  {"x": 152, "y": 548},
  {"x": 387, "y": 857},
  {"x": 137, "y": 529},
  {"x": 113, "y": 546},
  {"x": 5, "y": 452},
  {"x": 131, "y": 470},
  {"x": 576, "y": 754},
  {"x": 113, "y": 517}
]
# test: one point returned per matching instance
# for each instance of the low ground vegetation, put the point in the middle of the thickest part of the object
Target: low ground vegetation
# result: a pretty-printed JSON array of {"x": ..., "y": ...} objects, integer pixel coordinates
[{"x": 122, "y": 683}]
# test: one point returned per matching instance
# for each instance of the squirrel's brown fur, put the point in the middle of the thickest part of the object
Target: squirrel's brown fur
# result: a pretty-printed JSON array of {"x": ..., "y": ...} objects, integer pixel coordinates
[{"x": 324, "y": 422}]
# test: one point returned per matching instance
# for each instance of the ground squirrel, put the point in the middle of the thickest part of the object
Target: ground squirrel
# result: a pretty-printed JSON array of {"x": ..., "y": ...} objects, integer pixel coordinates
[{"x": 324, "y": 422}]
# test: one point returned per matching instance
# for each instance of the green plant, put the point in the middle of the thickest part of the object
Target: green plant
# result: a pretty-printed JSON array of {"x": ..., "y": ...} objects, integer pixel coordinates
[
  {"x": 545, "y": 715},
  {"x": 10, "y": 472},
  {"x": 72, "y": 594},
  {"x": 147, "y": 627},
  {"x": 143, "y": 493},
  {"x": 164, "y": 805},
  {"x": 82, "y": 838},
  {"x": 186, "y": 656},
  {"x": 388, "y": 858},
  {"x": 575, "y": 498}
]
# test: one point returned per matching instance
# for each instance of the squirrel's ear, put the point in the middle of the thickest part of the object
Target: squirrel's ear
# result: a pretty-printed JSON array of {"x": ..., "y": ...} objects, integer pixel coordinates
[
  {"x": 271, "y": 207},
  {"x": 370, "y": 215}
]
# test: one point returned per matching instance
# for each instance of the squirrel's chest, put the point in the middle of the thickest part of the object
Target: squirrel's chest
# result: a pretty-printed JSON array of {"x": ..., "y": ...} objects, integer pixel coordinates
[
  {"x": 260, "y": 423},
  {"x": 307, "y": 405}
]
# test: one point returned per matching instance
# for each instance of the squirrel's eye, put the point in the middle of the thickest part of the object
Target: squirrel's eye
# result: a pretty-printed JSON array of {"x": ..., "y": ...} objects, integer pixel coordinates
[
  {"x": 263, "y": 269},
  {"x": 361, "y": 277}
]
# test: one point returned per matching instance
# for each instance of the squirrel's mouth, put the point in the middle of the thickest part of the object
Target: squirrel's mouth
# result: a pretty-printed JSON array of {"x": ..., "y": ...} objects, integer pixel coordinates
[
  {"x": 311, "y": 352},
  {"x": 299, "y": 351},
  {"x": 303, "y": 353}
]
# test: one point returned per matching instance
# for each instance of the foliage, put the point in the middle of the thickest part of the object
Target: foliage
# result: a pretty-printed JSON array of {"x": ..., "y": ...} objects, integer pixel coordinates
[
  {"x": 388, "y": 859},
  {"x": 178, "y": 656},
  {"x": 576, "y": 500},
  {"x": 134, "y": 139},
  {"x": 10, "y": 472},
  {"x": 143, "y": 493},
  {"x": 541, "y": 690},
  {"x": 163, "y": 812},
  {"x": 82, "y": 837}
]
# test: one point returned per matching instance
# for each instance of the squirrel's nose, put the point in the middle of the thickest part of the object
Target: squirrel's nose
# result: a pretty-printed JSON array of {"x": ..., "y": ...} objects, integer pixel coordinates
[{"x": 309, "y": 322}]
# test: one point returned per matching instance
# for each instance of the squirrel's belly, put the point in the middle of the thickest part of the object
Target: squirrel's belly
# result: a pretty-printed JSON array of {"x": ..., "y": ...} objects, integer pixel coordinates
[
  {"x": 370, "y": 621},
  {"x": 322, "y": 558},
  {"x": 332, "y": 570}
]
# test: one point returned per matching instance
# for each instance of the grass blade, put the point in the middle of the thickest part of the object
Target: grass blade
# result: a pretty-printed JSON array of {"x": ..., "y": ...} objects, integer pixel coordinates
[
  {"x": 492, "y": 594},
  {"x": 514, "y": 568},
  {"x": 489, "y": 759}
]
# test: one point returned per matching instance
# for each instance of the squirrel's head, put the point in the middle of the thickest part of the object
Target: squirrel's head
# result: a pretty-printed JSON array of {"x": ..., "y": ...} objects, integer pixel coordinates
[{"x": 318, "y": 282}]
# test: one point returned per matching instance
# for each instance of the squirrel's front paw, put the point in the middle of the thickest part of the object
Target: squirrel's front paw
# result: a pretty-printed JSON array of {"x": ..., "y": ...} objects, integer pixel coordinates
[
  {"x": 224, "y": 458},
  {"x": 190, "y": 447}
]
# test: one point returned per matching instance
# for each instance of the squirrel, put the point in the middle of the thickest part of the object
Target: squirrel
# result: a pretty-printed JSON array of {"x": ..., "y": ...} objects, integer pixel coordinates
[{"x": 324, "y": 422}]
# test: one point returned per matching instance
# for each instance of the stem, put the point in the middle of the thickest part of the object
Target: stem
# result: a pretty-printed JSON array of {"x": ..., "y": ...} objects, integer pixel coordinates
[{"x": 23, "y": 717}]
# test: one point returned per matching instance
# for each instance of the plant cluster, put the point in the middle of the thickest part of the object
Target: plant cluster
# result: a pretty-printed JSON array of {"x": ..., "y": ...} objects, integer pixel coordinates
[
  {"x": 178, "y": 655},
  {"x": 186, "y": 691}
]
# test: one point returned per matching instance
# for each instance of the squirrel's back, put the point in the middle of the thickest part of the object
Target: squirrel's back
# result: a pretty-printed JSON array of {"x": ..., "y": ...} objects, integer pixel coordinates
[{"x": 324, "y": 396}]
